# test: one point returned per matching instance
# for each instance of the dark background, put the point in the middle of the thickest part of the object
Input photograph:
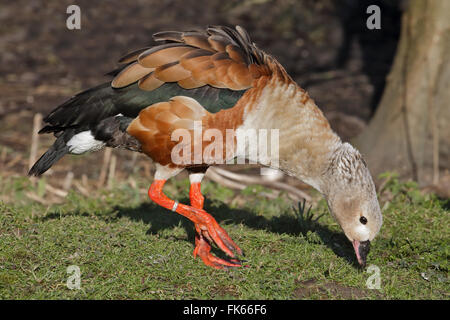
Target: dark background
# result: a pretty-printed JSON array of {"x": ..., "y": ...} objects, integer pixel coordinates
[{"x": 324, "y": 45}]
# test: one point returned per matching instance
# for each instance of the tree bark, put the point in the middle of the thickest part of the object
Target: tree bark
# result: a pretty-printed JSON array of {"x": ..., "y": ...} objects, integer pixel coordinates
[{"x": 410, "y": 131}]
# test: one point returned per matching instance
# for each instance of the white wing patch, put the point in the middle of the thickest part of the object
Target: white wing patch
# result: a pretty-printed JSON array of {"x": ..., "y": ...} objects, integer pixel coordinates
[{"x": 83, "y": 142}]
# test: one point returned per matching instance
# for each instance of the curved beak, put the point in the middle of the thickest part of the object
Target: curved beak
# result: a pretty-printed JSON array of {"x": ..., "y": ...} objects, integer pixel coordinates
[{"x": 362, "y": 250}]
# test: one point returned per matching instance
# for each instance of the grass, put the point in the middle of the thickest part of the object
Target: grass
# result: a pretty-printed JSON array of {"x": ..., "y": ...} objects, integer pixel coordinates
[{"x": 128, "y": 248}]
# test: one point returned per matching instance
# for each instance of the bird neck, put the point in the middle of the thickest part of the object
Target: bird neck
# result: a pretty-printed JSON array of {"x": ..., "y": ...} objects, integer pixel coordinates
[{"x": 306, "y": 140}]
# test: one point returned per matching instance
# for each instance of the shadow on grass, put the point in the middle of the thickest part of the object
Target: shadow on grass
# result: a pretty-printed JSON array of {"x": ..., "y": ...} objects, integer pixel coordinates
[{"x": 160, "y": 219}]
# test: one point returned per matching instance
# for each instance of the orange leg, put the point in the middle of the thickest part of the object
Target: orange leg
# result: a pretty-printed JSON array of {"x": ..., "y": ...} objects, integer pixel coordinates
[
  {"x": 206, "y": 225},
  {"x": 195, "y": 195},
  {"x": 202, "y": 246}
]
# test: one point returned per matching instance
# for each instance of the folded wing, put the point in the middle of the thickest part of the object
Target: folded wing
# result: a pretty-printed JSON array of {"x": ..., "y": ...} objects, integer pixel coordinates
[{"x": 220, "y": 57}]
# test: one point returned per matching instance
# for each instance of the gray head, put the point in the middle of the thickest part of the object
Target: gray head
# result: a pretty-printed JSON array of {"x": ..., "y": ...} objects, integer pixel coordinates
[{"x": 351, "y": 196}]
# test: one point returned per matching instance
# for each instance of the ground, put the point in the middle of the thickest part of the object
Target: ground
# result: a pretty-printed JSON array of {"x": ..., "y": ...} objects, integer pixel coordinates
[{"x": 128, "y": 248}]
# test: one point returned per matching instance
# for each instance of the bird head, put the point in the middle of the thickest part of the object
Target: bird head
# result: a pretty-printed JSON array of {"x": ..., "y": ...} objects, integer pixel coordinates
[{"x": 352, "y": 199}]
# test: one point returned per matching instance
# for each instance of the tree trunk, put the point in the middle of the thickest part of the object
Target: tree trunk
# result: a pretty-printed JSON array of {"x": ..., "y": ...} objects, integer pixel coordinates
[{"x": 410, "y": 132}]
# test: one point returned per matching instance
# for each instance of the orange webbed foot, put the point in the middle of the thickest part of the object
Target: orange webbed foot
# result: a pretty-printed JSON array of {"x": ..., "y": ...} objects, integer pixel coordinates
[
  {"x": 208, "y": 227},
  {"x": 203, "y": 250}
]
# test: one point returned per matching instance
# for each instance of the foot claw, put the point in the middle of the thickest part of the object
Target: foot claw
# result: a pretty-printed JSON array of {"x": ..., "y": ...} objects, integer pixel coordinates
[
  {"x": 215, "y": 233},
  {"x": 203, "y": 249}
]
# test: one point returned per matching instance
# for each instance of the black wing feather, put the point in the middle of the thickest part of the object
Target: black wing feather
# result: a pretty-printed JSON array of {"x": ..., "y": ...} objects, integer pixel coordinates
[{"x": 90, "y": 107}]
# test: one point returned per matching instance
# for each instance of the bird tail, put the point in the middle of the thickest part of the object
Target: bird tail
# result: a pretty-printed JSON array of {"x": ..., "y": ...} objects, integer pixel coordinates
[
  {"x": 52, "y": 155},
  {"x": 78, "y": 113}
]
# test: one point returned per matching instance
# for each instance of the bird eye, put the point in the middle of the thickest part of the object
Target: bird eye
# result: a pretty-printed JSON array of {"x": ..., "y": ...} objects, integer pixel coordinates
[{"x": 363, "y": 220}]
